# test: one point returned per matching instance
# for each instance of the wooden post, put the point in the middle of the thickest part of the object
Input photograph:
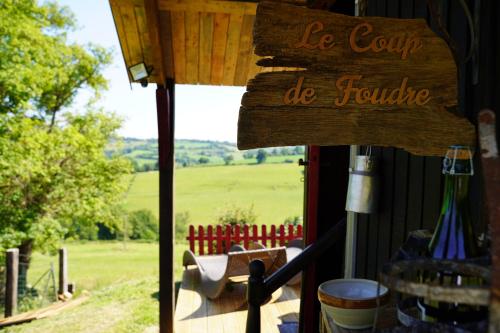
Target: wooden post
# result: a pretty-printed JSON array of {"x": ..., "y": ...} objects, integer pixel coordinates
[
  {"x": 255, "y": 294},
  {"x": 12, "y": 268},
  {"x": 72, "y": 288},
  {"x": 165, "y": 114},
  {"x": 63, "y": 271}
]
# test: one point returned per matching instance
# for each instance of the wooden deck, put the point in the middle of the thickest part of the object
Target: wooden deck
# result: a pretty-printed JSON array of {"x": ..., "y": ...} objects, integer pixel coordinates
[{"x": 197, "y": 314}]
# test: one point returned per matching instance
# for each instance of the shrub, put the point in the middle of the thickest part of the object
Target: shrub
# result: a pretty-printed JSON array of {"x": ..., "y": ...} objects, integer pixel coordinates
[
  {"x": 228, "y": 159},
  {"x": 143, "y": 225},
  {"x": 182, "y": 220},
  {"x": 236, "y": 215},
  {"x": 293, "y": 220},
  {"x": 261, "y": 156}
]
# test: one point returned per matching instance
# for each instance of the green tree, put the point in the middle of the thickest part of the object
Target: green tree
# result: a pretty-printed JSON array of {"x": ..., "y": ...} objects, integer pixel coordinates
[
  {"x": 52, "y": 180},
  {"x": 53, "y": 174},
  {"x": 203, "y": 160},
  {"x": 40, "y": 71},
  {"x": 236, "y": 215},
  {"x": 261, "y": 156},
  {"x": 182, "y": 221},
  {"x": 143, "y": 225},
  {"x": 228, "y": 159}
]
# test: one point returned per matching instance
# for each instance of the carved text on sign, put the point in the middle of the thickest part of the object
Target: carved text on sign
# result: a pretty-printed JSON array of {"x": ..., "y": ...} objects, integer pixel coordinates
[
  {"x": 402, "y": 95},
  {"x": 325, "y": 41},
  {"x": 350, "y": 81},
  {"x": 296, "y": 95},
  {"x": 396, "y": 44},
  {"x": 346, "y": 86}
]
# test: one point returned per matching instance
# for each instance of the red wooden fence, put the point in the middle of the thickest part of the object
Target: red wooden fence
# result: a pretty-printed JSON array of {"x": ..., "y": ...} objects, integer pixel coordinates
[{"x": 223, "y": 237}]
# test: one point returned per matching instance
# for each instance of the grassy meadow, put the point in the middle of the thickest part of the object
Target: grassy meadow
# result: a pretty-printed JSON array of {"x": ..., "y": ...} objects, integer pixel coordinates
[
  {"x": 122, "y": 277},
  {"x": 123, "y": 282},
  {"x": 274, "y": 190}
]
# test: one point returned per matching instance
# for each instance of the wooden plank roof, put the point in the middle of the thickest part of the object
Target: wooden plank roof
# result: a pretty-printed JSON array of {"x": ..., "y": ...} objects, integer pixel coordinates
[{"x": 191, "y": 41}]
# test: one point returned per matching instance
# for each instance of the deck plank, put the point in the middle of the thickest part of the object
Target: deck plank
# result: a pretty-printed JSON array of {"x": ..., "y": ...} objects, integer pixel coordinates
[{"x": 228, "y": 313}]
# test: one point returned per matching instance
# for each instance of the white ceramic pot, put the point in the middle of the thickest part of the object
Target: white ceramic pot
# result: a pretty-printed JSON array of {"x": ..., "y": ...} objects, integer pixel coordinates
[{"x": 350, "y": 303}]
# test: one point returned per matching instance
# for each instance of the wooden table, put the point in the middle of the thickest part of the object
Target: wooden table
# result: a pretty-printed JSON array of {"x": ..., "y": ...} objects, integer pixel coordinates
[{"x": 196, "y": 314}]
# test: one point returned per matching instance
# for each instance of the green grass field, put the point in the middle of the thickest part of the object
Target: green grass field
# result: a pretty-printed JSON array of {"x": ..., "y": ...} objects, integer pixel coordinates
[
  {"x": 123, "y": 284},
  {"x": 274, "y": 190},
  {"x": 123, "y": 277}
]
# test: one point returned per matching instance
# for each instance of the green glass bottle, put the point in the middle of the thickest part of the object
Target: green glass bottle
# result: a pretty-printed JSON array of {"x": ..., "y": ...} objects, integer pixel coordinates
[{"x": 453, "y": 239}]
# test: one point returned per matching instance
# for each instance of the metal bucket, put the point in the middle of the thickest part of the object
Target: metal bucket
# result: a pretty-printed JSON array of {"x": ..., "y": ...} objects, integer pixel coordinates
[{"x": 362, "y": 193}]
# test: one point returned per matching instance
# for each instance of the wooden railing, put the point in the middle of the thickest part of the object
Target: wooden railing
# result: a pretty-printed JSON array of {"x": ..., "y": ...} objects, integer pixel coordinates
[
  {"x": 260, "y": 288},
  {"x": 218, "y": 239}
]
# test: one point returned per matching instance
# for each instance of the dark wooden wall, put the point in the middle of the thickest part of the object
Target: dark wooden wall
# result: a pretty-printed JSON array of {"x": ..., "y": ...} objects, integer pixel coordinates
[{"x": 412, "y": 186}]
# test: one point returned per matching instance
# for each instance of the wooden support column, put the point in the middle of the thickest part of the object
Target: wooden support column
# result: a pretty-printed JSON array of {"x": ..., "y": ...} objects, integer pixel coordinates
[
  {"x": 63, "y": 271},
  {"x": 165, "y": 112},
  {"x": 307, "y": 316},
  {"x": 12, "y": 270}
]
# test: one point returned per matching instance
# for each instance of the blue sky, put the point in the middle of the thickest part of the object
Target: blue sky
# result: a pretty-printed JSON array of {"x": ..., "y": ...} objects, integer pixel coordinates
[{"x": 202, "y": 112}]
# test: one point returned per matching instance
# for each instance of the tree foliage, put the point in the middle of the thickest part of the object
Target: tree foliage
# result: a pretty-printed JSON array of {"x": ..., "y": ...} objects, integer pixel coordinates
[
  {"x": 143, "y": 225},
  {"x": 55, "y": 178},
  {"x": 40, "y": 71},
  {"x": 52, "y": 180},
  {"x": 236, "y": 215},
  {"x": 261, "y": 156}
]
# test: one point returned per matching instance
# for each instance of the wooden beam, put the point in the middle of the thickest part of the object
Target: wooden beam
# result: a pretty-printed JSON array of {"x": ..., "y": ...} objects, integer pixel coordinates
[
  {"x": 192, "y": 20},
  {"x": 219, "y": 48},
  {"x": 210, "y": 6},
  {"x": 167, "y": 43},
  {"x": 115, "y": 9},
  {"x": 232, "y": 48},
  {"x": 245, "y": 51},
  {"x": 179, "y": 45},
  {"x": 130, "y": 29},
  {"x": 165, "y": 112},
  {"x": 155, "y": 43},
  {"x": 206, "y": 40}
]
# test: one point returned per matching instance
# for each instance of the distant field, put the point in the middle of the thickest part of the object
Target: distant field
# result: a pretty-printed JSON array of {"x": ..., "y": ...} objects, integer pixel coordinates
[{"x": 274, "y": 190}]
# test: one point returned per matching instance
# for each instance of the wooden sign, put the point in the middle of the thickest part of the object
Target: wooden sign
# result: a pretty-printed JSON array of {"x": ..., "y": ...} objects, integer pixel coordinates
[{"x": 351, "y": 80}]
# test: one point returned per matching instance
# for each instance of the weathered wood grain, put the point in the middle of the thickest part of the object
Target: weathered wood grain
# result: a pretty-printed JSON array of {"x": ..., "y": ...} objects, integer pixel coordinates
[
  {"x": 245, "y": 51},
  {"x": 269, "y": 89},
  {"x": 473, "y": 295},
  {"x": 192, "y": 45},
  {"x": 206, "y": 38},
  {"x": 219, "y": 47},
  {"x": 131, "y": 33},
  {"x": 155, "y": 43},
  {"x": 419, "y": 134},
  {"x": 400, "y": 92},
  {"x": 117, "y": 17},
  {"x": 179, "y": 45},
  {"x": 279, "y": 35},
  {"x": 210, "y": 6},
  {"x": 232, "y": 48},
  {"x": 166, "y": 43}
]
